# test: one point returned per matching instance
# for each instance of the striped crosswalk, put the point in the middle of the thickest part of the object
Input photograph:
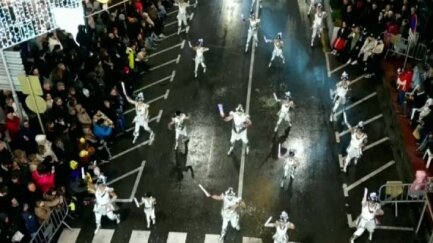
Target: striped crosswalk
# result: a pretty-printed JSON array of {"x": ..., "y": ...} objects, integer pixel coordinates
[
  {"x": 139, "y": 236},
  {"x": 103, "y": 236},
  {"x": 142, "y": 236}
]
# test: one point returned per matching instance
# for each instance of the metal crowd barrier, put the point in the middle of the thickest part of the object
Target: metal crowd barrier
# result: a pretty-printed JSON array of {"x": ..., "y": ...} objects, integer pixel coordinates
[
  {"x": 49, "y": 228},
  {"x": 396, "y": 192},
  {"x": 407, "y": 48}
]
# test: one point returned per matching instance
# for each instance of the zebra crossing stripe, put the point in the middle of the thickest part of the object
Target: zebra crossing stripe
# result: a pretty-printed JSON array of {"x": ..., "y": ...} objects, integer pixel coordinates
[
  {"x": 143, "y": 236},
  {"x": 251, "y": 240},
  {"x": 176, "y": 237},
  {"x": 210, "y": 238},
  {"x": 103, "y": 236},
  {"x": 69, "y": 236},
  {"x": 139, "y": 236}
]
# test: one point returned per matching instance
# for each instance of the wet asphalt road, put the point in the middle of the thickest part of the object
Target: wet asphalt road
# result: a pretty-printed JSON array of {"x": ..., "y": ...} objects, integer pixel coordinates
[{"x": 314, "y": 200}]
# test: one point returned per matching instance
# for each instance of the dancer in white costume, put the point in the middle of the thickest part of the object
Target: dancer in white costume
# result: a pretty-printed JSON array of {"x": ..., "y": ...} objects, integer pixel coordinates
[
  {"x": 338, "y": 95},
  {"x": 357, "y": 142},
  {"x": 367, "y": 219},
  {"x": 290, "y": 164},
  {"x": 178, "y": 121},
  {"x": 141, "y": 115},
  {"x": 281, "y": 227},
  {"x": 278, "y": 48},
  {"x": 317, "y": 23},
  {"x": 104, "y": 204},
  {"x": 241, "y": 122},
  {"x": 149, "y": 208},
  {"x": 182, "y": 14},
  {"x": 313, "y": 6},
  {"x": 284, "y": 113},
  {"x": 199, "y": 55},
  {"x": 252, "y": 30},
  {"x": 229, "y": 211}
]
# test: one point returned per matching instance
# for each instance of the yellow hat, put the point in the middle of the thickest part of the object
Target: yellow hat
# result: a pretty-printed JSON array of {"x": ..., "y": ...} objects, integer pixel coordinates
[
  {"x": 73, "y": 164},
  {"x": 82, "y": 140},
  {"x": 83, "y": 153}
]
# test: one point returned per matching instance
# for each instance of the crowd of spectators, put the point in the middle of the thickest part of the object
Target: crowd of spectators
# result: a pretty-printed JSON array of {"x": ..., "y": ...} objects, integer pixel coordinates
[
  {"x": 369, "y": 27},
  {"x": 80, "y": 78}
]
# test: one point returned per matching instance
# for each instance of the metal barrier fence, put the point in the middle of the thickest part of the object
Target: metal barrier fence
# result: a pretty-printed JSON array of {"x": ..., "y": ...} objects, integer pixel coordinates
[
  {"x": 49, "y": 228},
  {"x": 396, "y": 192},
  {"x": 407, "y": 48}
]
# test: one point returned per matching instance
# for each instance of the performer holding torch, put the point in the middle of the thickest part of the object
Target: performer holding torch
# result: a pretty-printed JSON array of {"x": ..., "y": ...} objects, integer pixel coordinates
[{"x": 241, "y": 121}]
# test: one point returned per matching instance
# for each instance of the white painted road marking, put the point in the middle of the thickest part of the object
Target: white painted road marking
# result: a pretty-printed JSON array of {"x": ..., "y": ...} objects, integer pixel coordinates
[
  {"x": 171, "y": 23},
  {"x": 181, "y": 45},
  {"x": 337, "y": 137},
  {"x": 357, "y": 79},
  {"x": 169, "y": 77},
  {"x": 176, "y": 237},
  {"x": 69, "y": 236},
  {"x": 173, "y": 12},
  {"x": 371, "y": 145},
  {"x": 210, "y": 238},
  {"x": 251, "y": 240},
  {"x": 124, "y": 175},
  {"x": 350, "y": 222},
  {"x": 356, "y": 103},
  {"x": 137, "y": 180},
  {"x": 139, "y": 236},
  {"x": 340, "y": 160},
  {"x": 328, "y": 68},
  {"x": 129, "y": 150},
  {"x": 338, "y": 68},
  {"x": 103, "y": 236},
  {"x": 370, "y": 175},
  {"x": 384, "y": 227},
  {"x": 365, "y": 123},
  {"x": 247, "y": 110},
  {"x": 175, "y": 33},
  {"x": 176, "y": 60}
]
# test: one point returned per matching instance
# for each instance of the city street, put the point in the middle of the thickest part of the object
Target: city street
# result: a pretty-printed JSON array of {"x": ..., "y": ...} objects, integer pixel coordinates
[{"x": 322, "y": 201}]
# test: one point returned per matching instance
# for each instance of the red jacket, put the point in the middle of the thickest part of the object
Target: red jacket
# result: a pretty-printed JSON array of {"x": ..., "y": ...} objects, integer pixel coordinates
[
  {"x": 44, "y": 182},
  {"x": 406, "y": 77},
  {"x": 13, "y": 127}
]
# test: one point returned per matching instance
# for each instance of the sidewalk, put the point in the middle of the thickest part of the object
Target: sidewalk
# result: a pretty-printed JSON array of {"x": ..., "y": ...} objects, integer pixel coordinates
[{"x": 389, "y": 74}]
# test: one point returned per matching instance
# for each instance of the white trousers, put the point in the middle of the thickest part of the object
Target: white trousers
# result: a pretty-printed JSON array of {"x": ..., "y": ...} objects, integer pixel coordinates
[
  {"x": 141, "y": 122},
  {"x": 277, "y": 53},
  {"x": 179, "y": 132},
  {"x": 353, "y": 153},
  {"x": 252, "y": 34},
  {"x": 232, "y": 218},
  {"x": 101, "y": 210},
  {"x": 280, "y": 238},
  {"x": 150, "y": 215},
  {"x": 283, "y": 116},
  {"x": 317, "y": 30},
  {"x": 289, "y": 170},
  {"x": 363, "y": 224},
  {"x": 181, "y": 18},
  {"x": 110, "y": 215},
  {"x": 239, "y": 136},
  {"x": 199, "y": 61},
  {"x": 338, "y": 101}
]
